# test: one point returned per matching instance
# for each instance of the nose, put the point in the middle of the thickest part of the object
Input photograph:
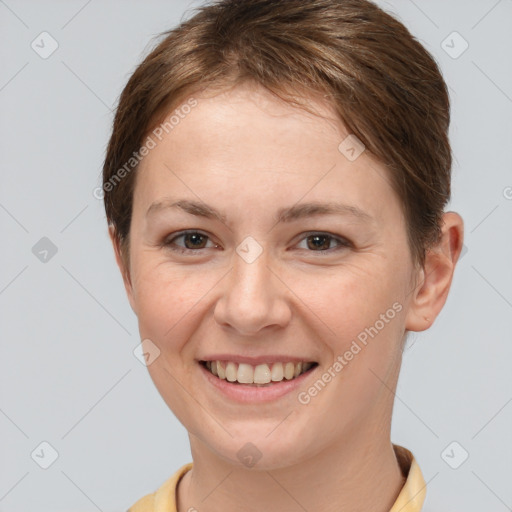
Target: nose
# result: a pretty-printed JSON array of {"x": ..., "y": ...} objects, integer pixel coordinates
[{"x": 253, "y": 298}]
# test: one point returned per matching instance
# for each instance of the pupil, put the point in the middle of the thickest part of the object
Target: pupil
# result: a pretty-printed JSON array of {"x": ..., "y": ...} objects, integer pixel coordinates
[
  {"x": 317, "y": 238},
  {"x": 193, "y": 236}
]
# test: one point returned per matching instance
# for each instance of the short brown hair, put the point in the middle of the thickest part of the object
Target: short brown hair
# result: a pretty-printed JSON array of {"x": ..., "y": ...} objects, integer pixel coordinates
[{"x": 385, "y": 86}]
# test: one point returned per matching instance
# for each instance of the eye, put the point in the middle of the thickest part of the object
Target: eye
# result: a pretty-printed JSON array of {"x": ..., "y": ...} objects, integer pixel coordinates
[
  {"x": 193, "y": 240},
  {"x": 320, "y": 242}
]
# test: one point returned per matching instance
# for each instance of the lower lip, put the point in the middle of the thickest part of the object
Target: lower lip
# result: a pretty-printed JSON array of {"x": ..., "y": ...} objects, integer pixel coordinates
[{"x": 248, "y": 394}]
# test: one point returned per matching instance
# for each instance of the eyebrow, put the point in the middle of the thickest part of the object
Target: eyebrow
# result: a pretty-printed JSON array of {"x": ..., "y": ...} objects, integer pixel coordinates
[{"x": 288, "y": 214}]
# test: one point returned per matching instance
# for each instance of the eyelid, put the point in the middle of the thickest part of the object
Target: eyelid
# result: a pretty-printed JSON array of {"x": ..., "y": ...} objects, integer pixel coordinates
[
  {"x": 169, "y": 242},
  {"x": 342, "y": 241}
]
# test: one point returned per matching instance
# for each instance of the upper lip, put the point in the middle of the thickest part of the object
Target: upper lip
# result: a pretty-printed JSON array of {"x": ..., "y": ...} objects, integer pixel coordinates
[{"x": 254, "y": 361}]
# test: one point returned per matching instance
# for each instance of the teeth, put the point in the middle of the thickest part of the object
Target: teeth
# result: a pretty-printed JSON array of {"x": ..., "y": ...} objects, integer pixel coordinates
[
  {"x": 245, "y": 374},
  {"x": 277, "y": 372},
  {"x": 289, "y": 371},
  {"x": 261, "y": 374},
  {"x": 221, "y": 370},
  {"x": 231, "y": 372}
]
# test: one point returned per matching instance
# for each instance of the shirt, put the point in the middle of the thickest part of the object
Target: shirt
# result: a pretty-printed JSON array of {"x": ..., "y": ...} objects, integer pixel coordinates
[{"x": 410, "y": 499}]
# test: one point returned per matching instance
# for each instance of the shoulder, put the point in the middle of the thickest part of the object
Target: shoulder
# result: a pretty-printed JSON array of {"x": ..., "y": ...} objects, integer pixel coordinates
[{"x": 145, "y": 504}]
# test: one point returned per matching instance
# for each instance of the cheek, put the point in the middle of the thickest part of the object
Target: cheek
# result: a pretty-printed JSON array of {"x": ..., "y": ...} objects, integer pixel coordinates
[
  {"x": 353, "y": 304},
  {"x": 365, "y": 317},
  {"x": 168, "y": 300}
]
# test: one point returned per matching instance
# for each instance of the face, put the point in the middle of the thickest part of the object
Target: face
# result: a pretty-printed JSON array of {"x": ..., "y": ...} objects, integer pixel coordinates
[{"x": 261, "y": 271}]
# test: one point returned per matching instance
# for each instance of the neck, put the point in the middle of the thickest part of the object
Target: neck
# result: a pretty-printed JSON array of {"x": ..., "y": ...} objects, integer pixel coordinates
[{"x": 360, "y": 474}]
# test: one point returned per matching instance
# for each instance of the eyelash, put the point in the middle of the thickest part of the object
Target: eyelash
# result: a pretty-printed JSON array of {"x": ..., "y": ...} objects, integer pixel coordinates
[{"x": 342, "y": 242}]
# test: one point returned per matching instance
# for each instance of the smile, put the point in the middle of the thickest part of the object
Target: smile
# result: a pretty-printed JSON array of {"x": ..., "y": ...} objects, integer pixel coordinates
[{"x": 261, "y": 375}]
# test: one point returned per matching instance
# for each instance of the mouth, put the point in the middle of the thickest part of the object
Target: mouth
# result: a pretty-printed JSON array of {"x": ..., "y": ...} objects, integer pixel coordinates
[{"x": 261, "y": 375}]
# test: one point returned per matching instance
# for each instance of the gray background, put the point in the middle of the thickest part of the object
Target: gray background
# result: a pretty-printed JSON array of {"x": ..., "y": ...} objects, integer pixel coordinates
[{"x": 68, "y": 373}]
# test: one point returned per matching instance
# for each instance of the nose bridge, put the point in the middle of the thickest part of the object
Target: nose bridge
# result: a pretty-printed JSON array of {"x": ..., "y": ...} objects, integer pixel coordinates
[
  {"x": 251, "y": 298},
  {"x": 251, "y": 278}
]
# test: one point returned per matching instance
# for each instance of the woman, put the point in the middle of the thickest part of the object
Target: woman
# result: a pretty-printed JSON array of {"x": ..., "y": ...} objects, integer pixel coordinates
[{"x": 275, "y": 187}]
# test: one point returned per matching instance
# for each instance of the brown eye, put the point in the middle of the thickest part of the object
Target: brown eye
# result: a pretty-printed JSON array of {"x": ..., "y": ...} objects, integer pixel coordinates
[
  {"x": 321, "y": 242},
  {"x": 192, "y": 241}
]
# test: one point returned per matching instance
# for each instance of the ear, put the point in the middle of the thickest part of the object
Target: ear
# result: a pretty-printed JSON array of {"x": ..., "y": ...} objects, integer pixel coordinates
[
  {"x": 435, "y": 277},
  {"x": 121, "y": 263}
]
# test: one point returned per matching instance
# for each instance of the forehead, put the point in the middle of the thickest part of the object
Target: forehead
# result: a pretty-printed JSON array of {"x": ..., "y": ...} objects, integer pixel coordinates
[
  {"x": 248, "y": 116},
  {"x": 247, "y": 121},
  {"x": 249, "y": 142}
]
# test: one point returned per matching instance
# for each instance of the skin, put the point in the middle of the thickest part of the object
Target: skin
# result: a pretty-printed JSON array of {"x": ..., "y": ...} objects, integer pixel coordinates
[{"x": 247, "y": 154}]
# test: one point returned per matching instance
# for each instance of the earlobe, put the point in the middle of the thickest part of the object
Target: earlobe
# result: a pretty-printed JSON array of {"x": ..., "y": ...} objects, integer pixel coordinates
[
  {"x": 430, "y": 295},
  {"x": 125, "y": 272}
]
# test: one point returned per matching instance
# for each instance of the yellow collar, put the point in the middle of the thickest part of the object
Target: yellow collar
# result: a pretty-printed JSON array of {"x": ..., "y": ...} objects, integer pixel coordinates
[
  {"x": 410, "y": 499},
  {"x": 413, "y": 492}
]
